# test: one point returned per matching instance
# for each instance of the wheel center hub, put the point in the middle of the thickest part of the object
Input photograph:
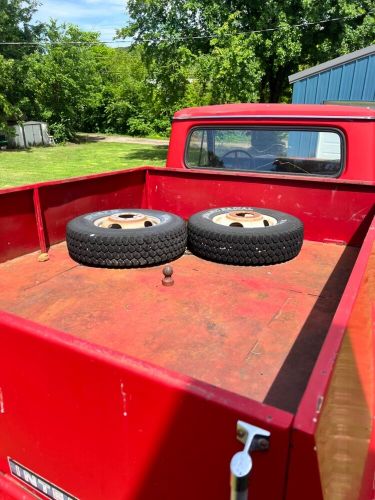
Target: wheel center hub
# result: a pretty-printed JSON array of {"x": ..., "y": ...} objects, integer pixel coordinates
[
  {"x": 127, "y": 220},
  {"x": 244, "y": 218},
  {"x": 242, "y": 215}
]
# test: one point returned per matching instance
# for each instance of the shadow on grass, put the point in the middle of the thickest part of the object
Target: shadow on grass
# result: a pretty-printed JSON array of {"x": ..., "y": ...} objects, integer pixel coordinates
[
  {"x": 82, "y": 139},
  {"x": 156, "y": 153},
  {"x": 16, "y": 150}
]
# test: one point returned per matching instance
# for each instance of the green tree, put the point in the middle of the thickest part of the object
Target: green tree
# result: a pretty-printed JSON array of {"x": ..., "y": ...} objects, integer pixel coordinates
[
  {"x": 62, "y": 83},
  {"x": 16, "y": 26},
  {"x": 16, "y": 29},
  {"x": 231, "y": 70},
  {"x": 8, "y": 111},
  {"x": 124, "y": 93},
  {"x": 131, "y": 101},
  {"x": 257, "y": 43}
]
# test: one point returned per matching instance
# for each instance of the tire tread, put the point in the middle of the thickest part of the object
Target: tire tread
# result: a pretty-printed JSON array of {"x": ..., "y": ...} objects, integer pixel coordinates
[
  {"x": 210, "y": 241},
  {"x": 89, "y": 247}
]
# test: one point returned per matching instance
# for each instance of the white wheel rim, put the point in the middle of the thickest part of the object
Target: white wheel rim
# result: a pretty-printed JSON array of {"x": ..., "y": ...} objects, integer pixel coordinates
[
  {"x": 244, "y": 218},
  {"x": 127, "y": 220}
]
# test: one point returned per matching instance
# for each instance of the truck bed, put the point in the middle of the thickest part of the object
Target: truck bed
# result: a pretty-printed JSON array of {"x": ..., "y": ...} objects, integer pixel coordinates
[{"x": 255, "y": 331}]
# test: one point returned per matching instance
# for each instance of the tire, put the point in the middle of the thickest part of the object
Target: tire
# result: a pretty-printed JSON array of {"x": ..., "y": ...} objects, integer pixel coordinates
[
  {"x": 245, "y": 245},
  {"x": 124, "y": 248}
]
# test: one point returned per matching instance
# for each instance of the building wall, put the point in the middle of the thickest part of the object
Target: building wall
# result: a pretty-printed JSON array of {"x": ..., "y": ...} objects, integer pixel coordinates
[{"x": 353, "y": 81}]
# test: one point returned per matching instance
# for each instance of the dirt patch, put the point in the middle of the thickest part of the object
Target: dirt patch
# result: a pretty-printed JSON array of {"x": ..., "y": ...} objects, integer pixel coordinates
[{"x": 90, "y": 137}]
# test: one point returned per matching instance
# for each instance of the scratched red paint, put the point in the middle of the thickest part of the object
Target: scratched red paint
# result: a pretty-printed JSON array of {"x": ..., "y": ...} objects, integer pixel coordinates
[{"x": 230, "y": 326}]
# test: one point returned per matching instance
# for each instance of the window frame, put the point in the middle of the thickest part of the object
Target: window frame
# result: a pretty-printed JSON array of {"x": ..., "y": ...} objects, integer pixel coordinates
[{"x": 271, "y": 128}]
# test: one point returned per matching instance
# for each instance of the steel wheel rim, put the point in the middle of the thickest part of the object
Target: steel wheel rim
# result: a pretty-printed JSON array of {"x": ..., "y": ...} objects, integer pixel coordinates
[
  {"x": 243, "y": 218},
  {"x": 127, "y": 220}
]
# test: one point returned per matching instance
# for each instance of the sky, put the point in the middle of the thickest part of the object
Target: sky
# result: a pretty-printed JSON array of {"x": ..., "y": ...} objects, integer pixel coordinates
[{"x": 102, "y": 16}]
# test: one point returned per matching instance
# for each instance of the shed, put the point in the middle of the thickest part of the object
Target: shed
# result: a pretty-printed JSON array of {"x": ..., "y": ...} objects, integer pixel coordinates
[
  {"x": 31, "y": 133},
  {"x": 347, "y": 78}
]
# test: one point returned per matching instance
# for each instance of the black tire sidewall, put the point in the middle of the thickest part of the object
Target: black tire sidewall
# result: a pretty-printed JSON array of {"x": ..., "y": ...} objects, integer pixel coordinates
[
  {"x": 86, "y": 223},
  {"x": 245, "y": 246},
  {"x": 285, "y": 222},
  {"x": 109, "y": 247}
]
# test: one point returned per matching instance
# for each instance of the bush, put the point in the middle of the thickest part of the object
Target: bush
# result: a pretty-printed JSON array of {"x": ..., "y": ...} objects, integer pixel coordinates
[{"x": 61, "y": 131}]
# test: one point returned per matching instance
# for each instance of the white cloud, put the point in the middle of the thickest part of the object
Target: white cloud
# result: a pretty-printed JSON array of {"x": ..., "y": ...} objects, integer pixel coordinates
[
  {"x": 90, "y": 15},
  {"x": 87, "y": 9}
]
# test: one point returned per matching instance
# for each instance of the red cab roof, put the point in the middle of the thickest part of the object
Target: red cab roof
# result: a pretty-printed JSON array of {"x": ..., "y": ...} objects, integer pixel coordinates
[{"x": 276, "y": 110}]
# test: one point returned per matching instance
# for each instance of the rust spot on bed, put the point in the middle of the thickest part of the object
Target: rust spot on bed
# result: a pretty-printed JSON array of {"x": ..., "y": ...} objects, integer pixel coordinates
[{"x": 235, "y": 330}]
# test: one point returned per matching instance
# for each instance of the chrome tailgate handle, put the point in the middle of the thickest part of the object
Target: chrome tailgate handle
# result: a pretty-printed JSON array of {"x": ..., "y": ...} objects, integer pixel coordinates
[{"x": 255, "y": 439}]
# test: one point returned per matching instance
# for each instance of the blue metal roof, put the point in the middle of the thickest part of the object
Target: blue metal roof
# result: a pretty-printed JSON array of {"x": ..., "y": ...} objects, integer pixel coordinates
[{"x": 346, "y": 78}]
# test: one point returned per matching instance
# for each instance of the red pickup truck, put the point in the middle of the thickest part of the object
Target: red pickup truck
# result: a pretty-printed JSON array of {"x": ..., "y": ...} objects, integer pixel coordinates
[{"x": 236, "y": 380}]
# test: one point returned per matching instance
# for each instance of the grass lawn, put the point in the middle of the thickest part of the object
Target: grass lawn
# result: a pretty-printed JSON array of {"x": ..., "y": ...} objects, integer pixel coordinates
[{"x": 72, "y": 160}]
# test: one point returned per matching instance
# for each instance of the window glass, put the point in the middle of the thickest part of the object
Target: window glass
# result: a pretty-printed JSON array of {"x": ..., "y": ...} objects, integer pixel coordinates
[{"x": 312, "y": 152}]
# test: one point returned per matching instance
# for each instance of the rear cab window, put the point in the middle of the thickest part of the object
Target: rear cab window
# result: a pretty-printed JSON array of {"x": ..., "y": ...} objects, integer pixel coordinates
[{"x": 265, "y": 149}]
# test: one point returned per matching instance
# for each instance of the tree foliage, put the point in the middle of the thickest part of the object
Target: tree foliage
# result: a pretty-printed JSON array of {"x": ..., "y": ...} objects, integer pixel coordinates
[
  {"x": 62, "y": 81},
  {"x": 124, "y": 93},
  {"x": 184, "y": 53},
  {"x": 8, "y": 112},
  {"x": 260, "y": 42},
  {"x": 16, "y": 26}
]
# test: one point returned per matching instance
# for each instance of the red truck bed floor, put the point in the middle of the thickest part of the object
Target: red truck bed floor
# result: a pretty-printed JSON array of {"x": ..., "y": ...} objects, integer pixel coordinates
[{"x": 252, "y": 330}]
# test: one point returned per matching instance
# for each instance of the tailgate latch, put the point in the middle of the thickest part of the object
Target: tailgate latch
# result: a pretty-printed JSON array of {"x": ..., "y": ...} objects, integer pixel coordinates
[{"x": 255, "y": 439}]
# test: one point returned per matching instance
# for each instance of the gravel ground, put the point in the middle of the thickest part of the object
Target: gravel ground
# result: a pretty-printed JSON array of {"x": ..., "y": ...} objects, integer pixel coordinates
[{"x": 90, "y": 137}]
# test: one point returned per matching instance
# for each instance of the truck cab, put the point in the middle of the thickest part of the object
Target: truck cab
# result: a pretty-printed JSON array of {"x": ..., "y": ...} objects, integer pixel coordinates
[{"x": 298, "y": 139}]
